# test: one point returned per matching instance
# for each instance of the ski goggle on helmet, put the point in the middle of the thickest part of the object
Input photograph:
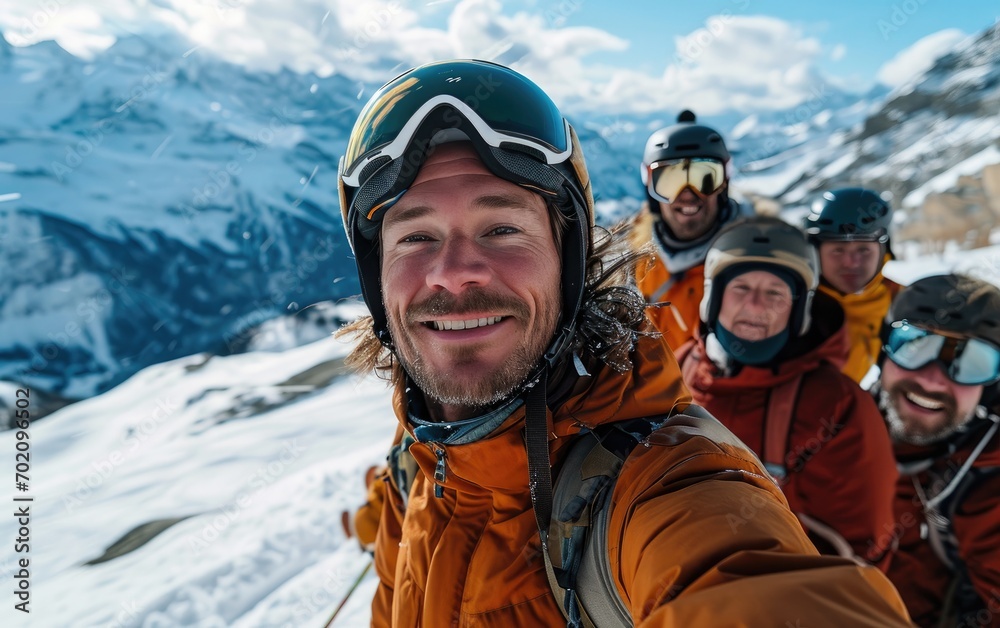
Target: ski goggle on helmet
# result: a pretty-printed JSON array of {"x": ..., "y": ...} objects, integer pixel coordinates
[
  {"x": 966, "y": 361},
  {"x": 515, "y": 129},
  {"x": 668, "y": 178}
]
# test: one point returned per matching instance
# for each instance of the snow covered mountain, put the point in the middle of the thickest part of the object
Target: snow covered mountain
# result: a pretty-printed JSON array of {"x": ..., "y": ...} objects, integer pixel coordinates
[
  {"x": 920, "y": 138},
  {"x": 205, "y": 491},
  {"x": 156, "y": 201},
  {"x": 159, "y": 204}
]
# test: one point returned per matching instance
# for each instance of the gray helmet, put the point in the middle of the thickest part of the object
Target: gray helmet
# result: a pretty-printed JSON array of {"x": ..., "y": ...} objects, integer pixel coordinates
[
  {"x": 954, "y": 304},
  {"x": 849, "y": 214},
  {"x": 761, "y": 243}
]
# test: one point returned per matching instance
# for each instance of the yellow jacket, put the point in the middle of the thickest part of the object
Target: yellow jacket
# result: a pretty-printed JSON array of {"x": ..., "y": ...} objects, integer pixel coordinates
[{"x": 865, "y": 312}]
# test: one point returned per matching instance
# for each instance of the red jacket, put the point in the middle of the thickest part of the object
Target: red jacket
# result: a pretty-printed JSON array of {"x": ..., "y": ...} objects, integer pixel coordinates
[
  {"x": 841, "y": 471},
  {"x": 919, "y": 574},
  {"x": 470, "y": 558}
]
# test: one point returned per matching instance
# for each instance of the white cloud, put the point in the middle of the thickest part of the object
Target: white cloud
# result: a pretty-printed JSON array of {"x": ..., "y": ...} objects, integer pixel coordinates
[
  {"x": 838, "y": 52},
  {"x": 919, "y": 57},
  {"x": 733, "y": 62},
  {"x": 743, "y": 62}
]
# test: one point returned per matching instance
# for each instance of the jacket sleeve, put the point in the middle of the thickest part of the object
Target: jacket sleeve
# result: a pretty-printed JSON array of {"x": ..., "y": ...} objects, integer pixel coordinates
[
  {"x": 699, "y": 535},
  {"x": 387, "y": 539},
  {"x": 849, "y": 474},
  {"x": 367, "y": 517},
  {"x": 977, "y": 528}
]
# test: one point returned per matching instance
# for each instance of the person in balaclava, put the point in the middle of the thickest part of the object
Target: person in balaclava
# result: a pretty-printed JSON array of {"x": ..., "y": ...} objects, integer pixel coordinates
[
  {"x": 685, "y": 171},
  {"x": 766, "y": 364}
]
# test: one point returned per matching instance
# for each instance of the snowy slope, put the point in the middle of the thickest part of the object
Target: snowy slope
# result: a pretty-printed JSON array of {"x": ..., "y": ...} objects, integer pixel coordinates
[{"x": 256, "y": 450}]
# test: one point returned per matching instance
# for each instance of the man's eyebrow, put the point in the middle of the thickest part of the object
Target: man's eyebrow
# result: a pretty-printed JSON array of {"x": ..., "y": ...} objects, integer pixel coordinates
[
  {"x": 407, "y": 213},
  {"x": 486, "y": 201},
  {"x": 501, "y": 201}
]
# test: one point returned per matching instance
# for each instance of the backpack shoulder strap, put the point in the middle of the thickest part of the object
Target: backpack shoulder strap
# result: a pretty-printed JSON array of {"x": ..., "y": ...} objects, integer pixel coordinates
[
  {"x": 778, "y": 427},
  {"x": 402, "y": 467},
  {"x": 577, "y": 561}
]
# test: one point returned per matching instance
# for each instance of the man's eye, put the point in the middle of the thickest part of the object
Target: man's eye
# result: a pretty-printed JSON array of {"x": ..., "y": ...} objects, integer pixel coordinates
[
  {"x": 417, "y": 237},
  {"x": 504, "y": 230}
]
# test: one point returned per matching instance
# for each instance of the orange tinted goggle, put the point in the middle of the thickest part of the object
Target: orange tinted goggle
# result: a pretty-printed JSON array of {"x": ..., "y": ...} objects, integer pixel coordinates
[{"x": 668, "y": 178}]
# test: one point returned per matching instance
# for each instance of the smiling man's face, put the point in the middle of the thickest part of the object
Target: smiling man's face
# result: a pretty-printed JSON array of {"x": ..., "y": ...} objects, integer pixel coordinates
[
  {"x": 924, "y": 406},
  {"x": 690, "y": 216},
  {"x": 470, "y": 281}
]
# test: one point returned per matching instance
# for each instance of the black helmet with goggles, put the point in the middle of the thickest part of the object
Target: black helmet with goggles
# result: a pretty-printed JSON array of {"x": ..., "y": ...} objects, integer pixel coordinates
[
  {"x": 515, "y": 129},
  {"x": 953, "y": 320}
]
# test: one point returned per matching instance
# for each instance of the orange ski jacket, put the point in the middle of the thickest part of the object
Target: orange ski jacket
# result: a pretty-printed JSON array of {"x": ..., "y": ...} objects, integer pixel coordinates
[{"x": 471, "y": 557}]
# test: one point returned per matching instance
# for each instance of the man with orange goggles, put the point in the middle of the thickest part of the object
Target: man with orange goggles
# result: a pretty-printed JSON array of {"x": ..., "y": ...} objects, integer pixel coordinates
[{"x": 685, "y": 170}]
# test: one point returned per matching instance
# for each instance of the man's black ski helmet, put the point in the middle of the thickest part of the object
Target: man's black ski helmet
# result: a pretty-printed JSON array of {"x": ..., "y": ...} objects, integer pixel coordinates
[
  {"x": 954, "y": 304},
  {"x": 685, "y": 139},
  {"x": 849, "y": 215}
]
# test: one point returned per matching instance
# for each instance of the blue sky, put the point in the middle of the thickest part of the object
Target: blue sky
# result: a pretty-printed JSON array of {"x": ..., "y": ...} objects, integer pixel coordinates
[
  {"x": 867, "y": 31},
  {"x": 726, "y": 55}
]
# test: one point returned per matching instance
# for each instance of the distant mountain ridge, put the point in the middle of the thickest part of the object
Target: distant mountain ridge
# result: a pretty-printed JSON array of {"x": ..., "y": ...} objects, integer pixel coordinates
[
  {"x": 156, "y": 202},
  {"x": 936, "y": 122},
  {"x": 163, "y": 205}
]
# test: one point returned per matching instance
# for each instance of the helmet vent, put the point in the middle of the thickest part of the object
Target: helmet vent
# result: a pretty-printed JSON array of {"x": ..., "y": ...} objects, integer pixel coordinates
[
  {"x": 688, "y": 147},
  {"x": 537, "y": 154},
  {"x": 762, "y": 240},
  {"x": 372, "y": 166}
]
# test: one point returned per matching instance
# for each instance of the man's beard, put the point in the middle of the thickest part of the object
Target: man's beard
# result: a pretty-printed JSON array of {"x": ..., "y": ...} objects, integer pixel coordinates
[
  {"x": 903, "y": 432},
  {"x": 506, "y": 379}
]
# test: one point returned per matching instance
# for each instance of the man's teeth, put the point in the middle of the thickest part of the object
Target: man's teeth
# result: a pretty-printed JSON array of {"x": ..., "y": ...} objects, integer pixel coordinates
[
  {"x": 689, "y": 211},
  {"x": 470, "y": 324},
  {"x": 924, "y": 402}
]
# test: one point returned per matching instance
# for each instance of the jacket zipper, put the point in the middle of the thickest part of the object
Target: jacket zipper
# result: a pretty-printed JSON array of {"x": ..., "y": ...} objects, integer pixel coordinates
[{"x": 440, "y": 472}]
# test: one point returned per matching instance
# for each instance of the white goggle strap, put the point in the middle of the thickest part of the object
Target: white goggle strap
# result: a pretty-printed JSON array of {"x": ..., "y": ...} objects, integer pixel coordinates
[{"x": 395, "y": 148}]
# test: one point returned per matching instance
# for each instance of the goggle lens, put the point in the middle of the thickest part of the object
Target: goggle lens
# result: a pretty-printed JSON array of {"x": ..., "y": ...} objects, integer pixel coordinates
[
  {"x": 704, "y": 176},
  {"x": 966, "y": 361}
]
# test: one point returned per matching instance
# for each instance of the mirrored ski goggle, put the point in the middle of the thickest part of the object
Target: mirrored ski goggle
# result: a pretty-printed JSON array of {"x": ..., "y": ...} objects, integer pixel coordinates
[
  {"x": 966, "y": 361},
  {"x": 503, "y": 109},
  {"x": 668, "y": 178}
]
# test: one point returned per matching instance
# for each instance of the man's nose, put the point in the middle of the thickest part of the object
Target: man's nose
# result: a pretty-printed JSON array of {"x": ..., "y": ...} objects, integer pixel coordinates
[{"x": 459, "y": 264}]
